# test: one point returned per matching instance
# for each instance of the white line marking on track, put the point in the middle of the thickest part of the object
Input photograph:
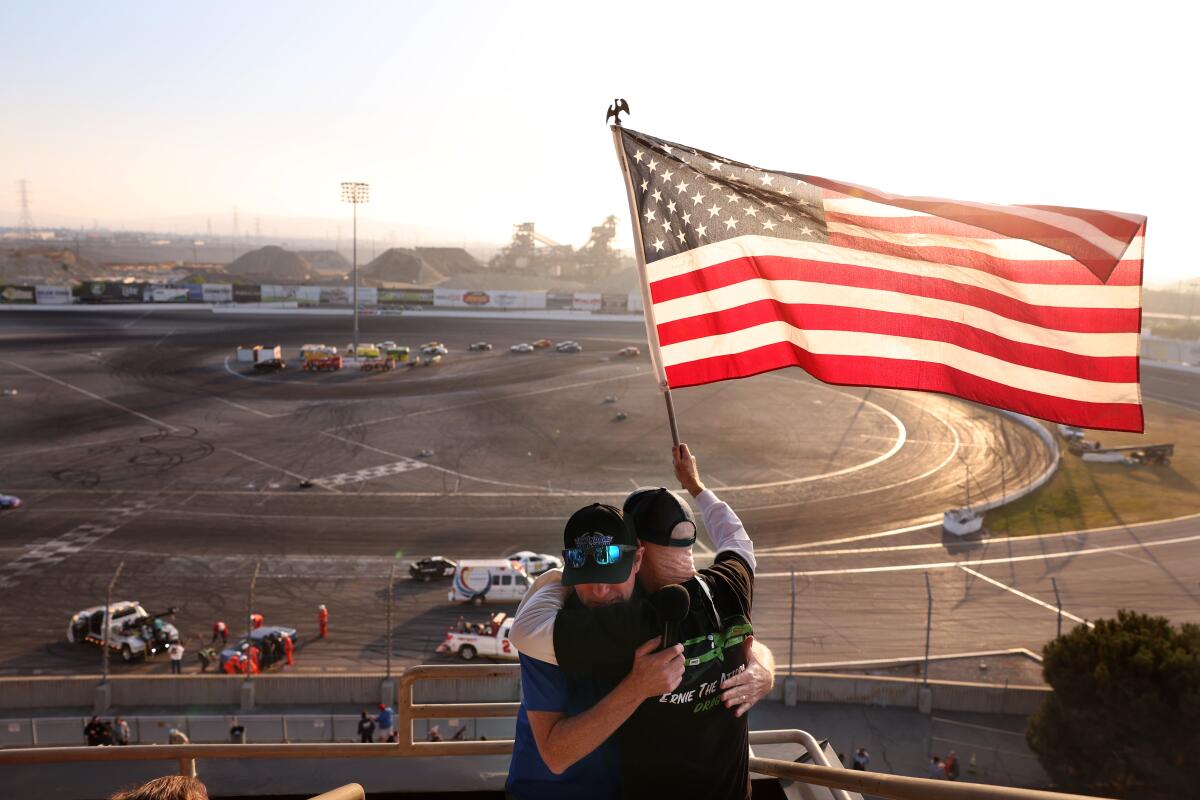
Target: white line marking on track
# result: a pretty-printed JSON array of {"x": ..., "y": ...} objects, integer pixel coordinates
[
  {"x": 246, "y": 408},
  {"x": 139, "y": 319},
  {"x": 1022, "y": 595},
  {"x": 94, "y": 396},
  {"x": 71, "y": 446},
  {"x": 279, "y": 469},
  {"x": 370, "y": 473},
  {"x": 983, "y": 561},
  {"x": 978, "y": 727},
  {"x": 163, "y": 339}
]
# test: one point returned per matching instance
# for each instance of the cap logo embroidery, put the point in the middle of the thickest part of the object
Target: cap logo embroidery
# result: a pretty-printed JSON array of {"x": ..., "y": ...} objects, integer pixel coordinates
[{"x": 589, "y": 540}]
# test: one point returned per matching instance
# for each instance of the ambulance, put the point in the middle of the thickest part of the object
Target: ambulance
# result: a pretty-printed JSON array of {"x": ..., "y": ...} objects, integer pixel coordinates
[{"x": 492, "y": 580}]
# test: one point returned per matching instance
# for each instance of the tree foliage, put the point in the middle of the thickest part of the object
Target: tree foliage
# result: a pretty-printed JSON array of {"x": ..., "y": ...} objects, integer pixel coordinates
[{"x": 1124, "y": 717}]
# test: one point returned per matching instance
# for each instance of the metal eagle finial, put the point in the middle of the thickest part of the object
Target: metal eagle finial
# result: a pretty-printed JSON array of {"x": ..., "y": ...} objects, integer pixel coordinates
[{"x": 614, "y": 111}]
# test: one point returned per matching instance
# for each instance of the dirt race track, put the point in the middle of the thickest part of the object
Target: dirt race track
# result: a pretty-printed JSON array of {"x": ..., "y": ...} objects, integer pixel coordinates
[{"x": 137, "y": 437}]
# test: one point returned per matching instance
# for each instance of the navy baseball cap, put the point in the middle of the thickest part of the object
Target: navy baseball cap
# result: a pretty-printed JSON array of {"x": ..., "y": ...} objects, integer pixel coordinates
[
  {"x": 598, "y": 547},
  {"x": 655, "y": 513}
]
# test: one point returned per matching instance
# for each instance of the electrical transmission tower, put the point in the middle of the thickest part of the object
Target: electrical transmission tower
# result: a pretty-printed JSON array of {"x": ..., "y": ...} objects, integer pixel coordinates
[{"x": 25, "y": 223}]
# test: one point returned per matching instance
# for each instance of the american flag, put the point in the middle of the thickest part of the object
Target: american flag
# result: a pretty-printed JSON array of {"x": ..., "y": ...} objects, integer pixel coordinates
[{"x": 1036, "y": 309}]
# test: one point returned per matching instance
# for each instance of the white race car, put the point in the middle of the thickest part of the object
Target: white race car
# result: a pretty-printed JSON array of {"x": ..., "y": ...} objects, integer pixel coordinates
[
  {"x": 523, "y": 347},
  {"x": 132, "y": 632},
  {"x": 536, "y": 563},
  {"x": 9, "y": 501}
]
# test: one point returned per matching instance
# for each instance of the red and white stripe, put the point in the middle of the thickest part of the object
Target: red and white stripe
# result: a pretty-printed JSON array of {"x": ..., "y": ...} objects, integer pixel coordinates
[{"x": 904, "y": 299}]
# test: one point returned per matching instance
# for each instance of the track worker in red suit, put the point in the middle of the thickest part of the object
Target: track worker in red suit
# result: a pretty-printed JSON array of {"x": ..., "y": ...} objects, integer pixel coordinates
[
  {"x": 322, "y": 621},
  {"x": 694, "y": 740}
]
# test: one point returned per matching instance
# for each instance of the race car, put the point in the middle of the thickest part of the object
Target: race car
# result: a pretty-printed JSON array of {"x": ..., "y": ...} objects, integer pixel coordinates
[
  {"x": 132, "y": 631},
  {"x": 433, "y": 567},
  {"x": 523, "y": 347},
  {"x": 490, "y": 638},
  {"x": 9, "y": 501},
  {"x": 542, "y": 344},
  {"x": 536, "y": 563},
  {"x": 434, "y": 348},
  {"x": 569, "y": 347},
  {"x": 480, "y": 346},
  {"x": 629, "y": 352},
  {"x": 268, "y": 640}
]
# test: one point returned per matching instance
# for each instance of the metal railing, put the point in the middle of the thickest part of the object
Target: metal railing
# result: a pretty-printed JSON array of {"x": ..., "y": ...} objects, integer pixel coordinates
[{"x": 822, "y": 773}]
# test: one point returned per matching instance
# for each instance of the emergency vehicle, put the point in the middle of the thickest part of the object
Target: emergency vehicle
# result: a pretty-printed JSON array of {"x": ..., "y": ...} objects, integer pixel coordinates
[
  {"x": 131, "y": 630},
  {"x": 495, "y": 580},
  {"x": 487, "y": 639},
  {"x": 319, "y": 358}
]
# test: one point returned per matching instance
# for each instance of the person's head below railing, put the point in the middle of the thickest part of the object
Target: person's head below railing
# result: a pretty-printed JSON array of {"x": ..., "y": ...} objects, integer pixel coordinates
[{"x": 171, "y": 787}]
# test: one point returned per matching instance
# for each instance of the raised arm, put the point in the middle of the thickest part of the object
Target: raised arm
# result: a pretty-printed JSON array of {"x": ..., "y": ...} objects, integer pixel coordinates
[{"x": 723, "y": 526}]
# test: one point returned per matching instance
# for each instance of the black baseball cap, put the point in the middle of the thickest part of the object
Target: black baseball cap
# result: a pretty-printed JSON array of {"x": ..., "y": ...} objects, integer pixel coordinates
[
  {"x": 590, "y": 536},
  {"x": 653, "y": 513}
]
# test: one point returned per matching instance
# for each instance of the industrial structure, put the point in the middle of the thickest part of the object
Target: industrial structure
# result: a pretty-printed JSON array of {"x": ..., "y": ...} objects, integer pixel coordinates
[{"x": 533, "y": 253}]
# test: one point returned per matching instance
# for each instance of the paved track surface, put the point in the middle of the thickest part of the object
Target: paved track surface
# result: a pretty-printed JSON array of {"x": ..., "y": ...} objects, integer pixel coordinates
[{"x": 136, "y": 437}]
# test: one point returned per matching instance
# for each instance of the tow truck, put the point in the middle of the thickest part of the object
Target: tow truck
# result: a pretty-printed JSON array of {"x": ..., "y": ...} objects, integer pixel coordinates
[
  {"x": 131, "y": 630},
  {"x": 470, "y": 640},
  {"x": 319, "y": 358}
]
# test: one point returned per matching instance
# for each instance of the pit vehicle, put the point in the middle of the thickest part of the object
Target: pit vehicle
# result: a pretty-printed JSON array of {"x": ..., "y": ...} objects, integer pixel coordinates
[
  {"x": 434, "y": 567},
  {"x": 469, "y": 640},
  {"x": 132, "y": 631},
  {"x": 319, "y": 358},
  {"x": 396, "y": 352},
  {"x": 497, "y": 580}
]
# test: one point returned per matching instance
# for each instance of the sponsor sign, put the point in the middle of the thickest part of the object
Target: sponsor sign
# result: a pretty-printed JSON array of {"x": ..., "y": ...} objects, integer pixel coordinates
[
  {"x": 333, "y": 295},
  {"x": 635, "y": 302},
  {"x": 168, "y": 294},
  {"x": 560, "y": 300},
  {"x": 587, "y": 301},
  {"x": 17, "y": 294},
  {"x": 476, "y": 298},
  {"x": 308, "y": 296},
  {"x": 368, "y": 296},
  {"x": 405, "y": 296},
  {"x": 106, "y": 292},
  {"x": 217, "y": 293},
  {"x": 614, "y": 302},
  {"x": 272, "y": 293},
  {"x": 195, "y": 293},
  {"x": 246, "y": 293},
  {"x": 487, "y": 298},
  {"x": 54, "y": 295}
]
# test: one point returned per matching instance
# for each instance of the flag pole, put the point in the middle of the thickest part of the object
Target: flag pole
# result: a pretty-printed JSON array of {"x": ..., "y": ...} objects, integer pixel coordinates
[{"x": 639, "y": 254}]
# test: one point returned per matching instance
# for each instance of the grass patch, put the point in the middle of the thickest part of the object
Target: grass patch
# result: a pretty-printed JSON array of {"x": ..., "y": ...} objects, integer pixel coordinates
[{"x": 1085, "y": 495}]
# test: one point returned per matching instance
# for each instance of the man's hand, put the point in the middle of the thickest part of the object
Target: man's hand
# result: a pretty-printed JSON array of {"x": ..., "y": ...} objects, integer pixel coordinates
[
  {"x": 656, "y": 673},
  {"x": 686, "y": 470},
  {"x": 752, "y": 684}
]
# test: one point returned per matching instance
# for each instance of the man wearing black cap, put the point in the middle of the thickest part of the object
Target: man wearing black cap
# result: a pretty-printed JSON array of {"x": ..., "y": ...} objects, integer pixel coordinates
[
  {"x": 564, "y": 721},
  {"x": 693, "y": 740}
]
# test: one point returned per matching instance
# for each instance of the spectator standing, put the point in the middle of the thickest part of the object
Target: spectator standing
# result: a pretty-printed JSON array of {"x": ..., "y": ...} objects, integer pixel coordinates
[
  {"x": 176, "y": 653},
  {"x": 220, "y": 629},
  {"x": 93, "y": 731},
  {"x": 237, "y": 732},
  {"x": 937, "y": 770},
  {"x": 106, "y": 733},
  {"x": 322, "y": 621},
  {"x": 171, "y": 787},
  {"x": 861, "y": 758},
  {"x": 952, "y": 766},
  {"x": 385, "y": 720},
  {"x": 366, "y": 729},
  {"x": 176, "y": 736},
  {"x": 121, "y": 732}
]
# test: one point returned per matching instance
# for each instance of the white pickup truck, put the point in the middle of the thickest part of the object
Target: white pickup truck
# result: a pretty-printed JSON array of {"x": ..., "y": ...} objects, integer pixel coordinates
[{"x": 471, "y": 640}]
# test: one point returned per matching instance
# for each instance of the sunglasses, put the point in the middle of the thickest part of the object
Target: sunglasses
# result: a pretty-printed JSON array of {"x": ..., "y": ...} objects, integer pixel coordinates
[{"x": 604, "y": 555}]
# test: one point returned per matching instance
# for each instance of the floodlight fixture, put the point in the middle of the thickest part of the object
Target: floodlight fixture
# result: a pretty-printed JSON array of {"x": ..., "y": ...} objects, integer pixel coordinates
[{"x": 355, "y": 193}]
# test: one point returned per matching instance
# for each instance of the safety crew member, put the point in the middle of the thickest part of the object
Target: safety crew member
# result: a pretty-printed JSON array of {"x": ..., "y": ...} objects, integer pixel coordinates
[{"x": 323, "y": 621}]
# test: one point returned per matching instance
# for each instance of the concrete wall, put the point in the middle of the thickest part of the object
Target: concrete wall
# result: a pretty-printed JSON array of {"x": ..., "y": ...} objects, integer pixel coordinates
[{"x": 891, "y": 692}]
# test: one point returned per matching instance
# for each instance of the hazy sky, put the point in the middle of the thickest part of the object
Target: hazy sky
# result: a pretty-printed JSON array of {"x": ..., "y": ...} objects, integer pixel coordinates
[{"x": 467, "y": 117}]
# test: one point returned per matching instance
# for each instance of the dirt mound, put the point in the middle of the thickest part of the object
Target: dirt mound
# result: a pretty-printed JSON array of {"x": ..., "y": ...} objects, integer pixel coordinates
[
  {"x": 272, "y": 262},
  {"x": 47, "y": 266},
  {"x": 326, "y": 261},
  {"x": 449, "y": 261},
  {"x": 399, "y": 265}
]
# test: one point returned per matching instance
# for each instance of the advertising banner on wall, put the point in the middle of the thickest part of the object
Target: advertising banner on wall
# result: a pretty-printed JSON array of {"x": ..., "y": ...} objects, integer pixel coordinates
[
  {"x": 54, "y": 295},
  {"x": 17, "y": 294},
  {"x": 274, "y": 293},
  {"x": 367, "y": 296},
  {"x": 168, "y": 294},
  {"x": 635, "y": 302},
  {"x": 480, "y": 298},
  {"x": 195, "y": 293},
  {"x": 587, "y": 301},
  {"x": 405, "y": 297},
  {"x": 246, "y": 293},
  {"x": 218, "y": 292},
  {"x": 107, "y": 292},
  {"x": 307, "y": 296},
  {"x": 560, "y": 300},
  {"x": 334, "y": 295},
  {"x": 614, "y": 303}
]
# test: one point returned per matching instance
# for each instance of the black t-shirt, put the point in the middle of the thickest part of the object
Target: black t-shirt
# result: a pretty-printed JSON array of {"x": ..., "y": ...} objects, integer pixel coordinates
[{"x": 686, "y": 742}]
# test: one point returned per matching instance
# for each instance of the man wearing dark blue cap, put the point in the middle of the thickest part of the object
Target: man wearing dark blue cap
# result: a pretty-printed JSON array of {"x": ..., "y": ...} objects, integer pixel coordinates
[
  {"x": 694, "y": 740},
  {"x": 565, "y": 721}
]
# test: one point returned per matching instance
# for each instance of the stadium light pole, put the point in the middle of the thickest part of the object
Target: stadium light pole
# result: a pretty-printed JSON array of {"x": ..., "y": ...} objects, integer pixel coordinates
[{"x": 355, "y": 193}]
